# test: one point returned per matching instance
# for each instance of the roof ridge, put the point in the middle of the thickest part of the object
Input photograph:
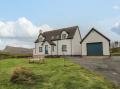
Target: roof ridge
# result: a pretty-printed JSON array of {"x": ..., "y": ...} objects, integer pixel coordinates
[
  {"x": 57, "y": 33},
  {"x": 61, "y": 29}
]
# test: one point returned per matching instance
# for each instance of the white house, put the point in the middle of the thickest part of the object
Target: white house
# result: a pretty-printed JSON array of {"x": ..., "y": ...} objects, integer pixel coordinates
[
  {"x": 65, "y": 41},
  {"x": 95, "y": 44},
  {"x": 68, "y": 41}
]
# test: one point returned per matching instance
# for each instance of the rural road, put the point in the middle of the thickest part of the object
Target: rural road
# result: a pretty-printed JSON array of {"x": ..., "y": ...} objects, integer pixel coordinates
[{"x": 108, "y": 67}]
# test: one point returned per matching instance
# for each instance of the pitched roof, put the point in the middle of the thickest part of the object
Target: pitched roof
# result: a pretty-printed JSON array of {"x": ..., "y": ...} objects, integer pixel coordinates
[
  {"x": 93, "y": 29},
  {"x": 56, "y": 34}
]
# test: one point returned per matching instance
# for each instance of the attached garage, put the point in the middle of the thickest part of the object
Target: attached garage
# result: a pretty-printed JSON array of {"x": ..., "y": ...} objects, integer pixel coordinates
[{"x": 95, "y": 44}]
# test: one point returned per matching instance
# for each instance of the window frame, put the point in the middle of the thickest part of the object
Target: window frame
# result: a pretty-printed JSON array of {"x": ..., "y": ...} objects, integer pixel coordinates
[
  {"x": 40, "y": 49},
  {"x": 40, "y": 39},
  {"x": 64, "y": 48},
  {"x": 64, "y": 36}
]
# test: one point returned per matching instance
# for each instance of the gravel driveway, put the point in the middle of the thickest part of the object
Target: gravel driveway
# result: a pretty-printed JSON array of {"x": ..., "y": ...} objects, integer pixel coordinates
[{"x": 108, "y": 67}]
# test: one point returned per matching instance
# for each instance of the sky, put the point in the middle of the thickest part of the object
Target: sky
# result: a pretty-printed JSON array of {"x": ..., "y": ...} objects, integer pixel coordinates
[{"x": 21, "y": 20}]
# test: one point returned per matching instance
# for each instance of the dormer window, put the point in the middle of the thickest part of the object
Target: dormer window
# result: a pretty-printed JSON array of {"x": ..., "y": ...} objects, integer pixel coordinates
[
  {"x": 40, "y": 39},
  {"x": 63, "y": 36}
]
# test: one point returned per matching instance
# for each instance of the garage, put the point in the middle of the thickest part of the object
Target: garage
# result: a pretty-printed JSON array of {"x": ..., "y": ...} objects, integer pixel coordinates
[
  {"x": 95, "y": 44},
  {"x": 94, "y": 49}
]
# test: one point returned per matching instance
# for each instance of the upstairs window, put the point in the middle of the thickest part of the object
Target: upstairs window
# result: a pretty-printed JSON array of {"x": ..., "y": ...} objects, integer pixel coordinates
[
  {"x": 63, "y": 36},
  {"x": 40, "y": 49},
  {"x": 64, "y": 48}
]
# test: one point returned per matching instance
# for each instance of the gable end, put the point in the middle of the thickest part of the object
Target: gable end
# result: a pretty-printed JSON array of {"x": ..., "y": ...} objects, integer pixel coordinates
[{"x": 93, "y": 29}]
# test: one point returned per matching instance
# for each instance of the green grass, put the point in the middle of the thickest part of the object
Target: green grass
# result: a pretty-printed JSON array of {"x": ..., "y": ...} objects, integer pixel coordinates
[
  {"x": 54, "y": 74},
  {"x": 115, "y": 54},
  {"x": 115, "y": 51}
]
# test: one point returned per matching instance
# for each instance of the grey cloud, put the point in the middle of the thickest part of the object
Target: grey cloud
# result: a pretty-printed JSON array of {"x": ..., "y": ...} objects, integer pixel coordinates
[{"x": 116, "y": 28}]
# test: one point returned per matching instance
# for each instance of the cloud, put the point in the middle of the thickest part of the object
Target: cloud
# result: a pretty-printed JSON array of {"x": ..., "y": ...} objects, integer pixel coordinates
[
  {"x": 116, "y": 7},
  {"x": 21, "y": 32},
  {"x": 116, "y": 28}
]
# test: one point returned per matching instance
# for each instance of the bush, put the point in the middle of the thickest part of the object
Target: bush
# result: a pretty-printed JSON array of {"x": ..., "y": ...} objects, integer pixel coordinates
[
  {"x": 22, "y": 55},
  {"x": 22, "y": 75}
]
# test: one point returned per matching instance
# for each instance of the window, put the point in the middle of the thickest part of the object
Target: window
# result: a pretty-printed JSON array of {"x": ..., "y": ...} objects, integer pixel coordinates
[
  {"x": 40, "y": 39},
  {"x": 64, "y": 48},
  {"x": 52, "y": 48},
  {"x": 63, "y": 36},
  {"x": 40, "y": 49}
]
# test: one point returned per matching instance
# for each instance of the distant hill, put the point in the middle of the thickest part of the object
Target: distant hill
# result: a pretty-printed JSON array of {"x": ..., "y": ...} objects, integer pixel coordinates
[{"x": 17, "y": 50}]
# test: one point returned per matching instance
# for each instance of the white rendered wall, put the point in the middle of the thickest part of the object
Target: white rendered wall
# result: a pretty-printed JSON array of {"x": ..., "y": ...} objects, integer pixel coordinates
[
  {"x": 76, "y": 46},
  {"x": 95, "y": 37}
]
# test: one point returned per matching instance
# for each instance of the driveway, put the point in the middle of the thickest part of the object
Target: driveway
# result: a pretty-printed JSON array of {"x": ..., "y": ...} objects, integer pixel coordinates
[{"x": 108, "y": 67}]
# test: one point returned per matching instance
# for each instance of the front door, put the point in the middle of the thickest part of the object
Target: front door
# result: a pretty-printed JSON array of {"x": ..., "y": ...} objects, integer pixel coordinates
[{"x": 46, "y": 49}]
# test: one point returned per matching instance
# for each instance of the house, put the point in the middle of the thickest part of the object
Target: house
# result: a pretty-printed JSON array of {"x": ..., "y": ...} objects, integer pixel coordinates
[
  {"x": 95, "y": 44},
  {"x": 65, "y": 41},
  {"x": 68, "y": 41}
]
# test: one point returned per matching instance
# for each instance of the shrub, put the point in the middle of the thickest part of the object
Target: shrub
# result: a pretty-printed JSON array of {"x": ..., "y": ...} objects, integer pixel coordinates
[
  {"x": 22, "y": 55},
  {"x": 22, "y": 75}
]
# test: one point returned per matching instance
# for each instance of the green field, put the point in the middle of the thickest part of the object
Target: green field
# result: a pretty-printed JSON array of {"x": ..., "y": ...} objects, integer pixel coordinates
[
  {"x": 115, "y": 51},
  {"x": 54, "y": 74}
]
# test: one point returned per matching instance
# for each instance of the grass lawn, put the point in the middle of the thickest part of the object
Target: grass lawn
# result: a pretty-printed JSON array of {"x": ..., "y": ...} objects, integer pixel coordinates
[{"x": 54, "y": 74}]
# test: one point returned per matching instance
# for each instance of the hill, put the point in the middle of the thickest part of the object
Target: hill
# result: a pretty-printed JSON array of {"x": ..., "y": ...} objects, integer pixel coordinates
[
  {"x": 17, "y": 50},
  {"x": 54, "y": 74}
]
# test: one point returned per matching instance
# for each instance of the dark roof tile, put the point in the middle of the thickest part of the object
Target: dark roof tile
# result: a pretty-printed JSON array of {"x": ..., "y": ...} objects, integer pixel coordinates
[{"x": 56, "y": 34}]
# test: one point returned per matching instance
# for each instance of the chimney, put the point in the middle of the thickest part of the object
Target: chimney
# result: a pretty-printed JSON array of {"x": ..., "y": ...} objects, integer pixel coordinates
[{"x": 40, "y": 31}]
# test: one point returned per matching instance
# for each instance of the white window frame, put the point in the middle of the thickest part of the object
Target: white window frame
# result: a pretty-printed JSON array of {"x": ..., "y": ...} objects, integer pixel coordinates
[
  {"x": 64, "y": 36},
  {"x": 64, "y": 48},
  {"x": 40, "y": 49}
]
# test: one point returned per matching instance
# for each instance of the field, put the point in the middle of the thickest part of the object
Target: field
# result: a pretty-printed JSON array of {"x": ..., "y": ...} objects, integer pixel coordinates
[
  {"x": 115, "y": 51},
  {"x": 56, "y": 73}
]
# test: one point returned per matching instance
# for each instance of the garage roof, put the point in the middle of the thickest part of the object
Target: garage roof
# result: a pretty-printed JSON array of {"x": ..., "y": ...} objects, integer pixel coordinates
[{"x": 93, "y": 29}]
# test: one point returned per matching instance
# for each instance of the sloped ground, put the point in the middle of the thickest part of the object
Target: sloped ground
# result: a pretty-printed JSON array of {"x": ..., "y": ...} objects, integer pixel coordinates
[{"x": 108, "y": 67}]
